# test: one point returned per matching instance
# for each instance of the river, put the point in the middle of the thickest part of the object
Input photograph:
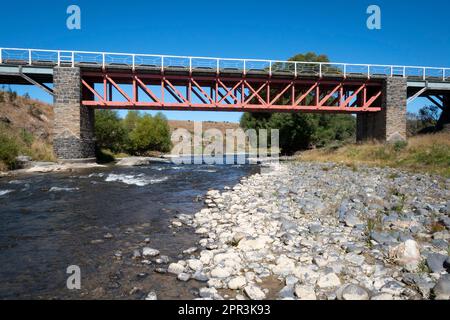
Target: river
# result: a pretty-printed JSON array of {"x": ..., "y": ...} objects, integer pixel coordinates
[{"x": 95, "y": 219}]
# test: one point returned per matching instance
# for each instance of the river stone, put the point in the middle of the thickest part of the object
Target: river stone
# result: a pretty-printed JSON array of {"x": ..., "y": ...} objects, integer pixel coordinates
[
  {"x": 442, "y": 288},
  {"x": 175, "y": 268},
  {"x": 252, "y": 244},
  {"x": 406, "y": 254},
  {"x": 447, "y": 264},
  {"x": 152, "y": 296},
  {"x": 352, "y": 220},
  {"x": 184, "y": 277},
  {"x": 329, "y": 280},
  {"x": 150, "y": 252},
  {"x": 237, "y": 283},
  {"x": 220, "y": 272},
  {"x": 354, "y": 292},
  {"x": 195, "y": 264},
  {"x": 254, "y": 292},
  {"x": 435, "y": 262},
  {"x": 305, "y": 292}
]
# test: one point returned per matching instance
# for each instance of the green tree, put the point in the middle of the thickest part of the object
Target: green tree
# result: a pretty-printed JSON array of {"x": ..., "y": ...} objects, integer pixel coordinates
[
  {"x": 150, "y": 134},
  {"x": 109, "y": 130}
]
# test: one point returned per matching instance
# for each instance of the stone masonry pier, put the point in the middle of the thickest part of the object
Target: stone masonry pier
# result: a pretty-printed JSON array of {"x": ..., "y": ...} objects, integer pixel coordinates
[
  {"x": 390, "y": 124},
  {"x": 74, "y": 124}
]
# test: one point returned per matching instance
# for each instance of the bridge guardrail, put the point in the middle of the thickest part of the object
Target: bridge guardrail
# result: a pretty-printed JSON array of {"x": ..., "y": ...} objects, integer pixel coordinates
[{"x": 42, "y": 57}]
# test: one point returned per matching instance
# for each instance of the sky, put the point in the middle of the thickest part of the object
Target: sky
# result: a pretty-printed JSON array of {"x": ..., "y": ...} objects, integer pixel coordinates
[{"x": 412, "y": 32}]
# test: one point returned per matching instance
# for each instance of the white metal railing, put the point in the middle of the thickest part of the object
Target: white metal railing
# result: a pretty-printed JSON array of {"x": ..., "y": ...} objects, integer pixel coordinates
[{"x": 41, "y": 57}]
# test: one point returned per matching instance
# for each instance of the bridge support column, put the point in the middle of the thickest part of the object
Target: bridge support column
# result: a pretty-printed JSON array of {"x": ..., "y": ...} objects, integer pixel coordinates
[
  {"x": 388, "y": 125},
  {"x": 73, "y": 136},
  {"x": 444, "y": 121}
]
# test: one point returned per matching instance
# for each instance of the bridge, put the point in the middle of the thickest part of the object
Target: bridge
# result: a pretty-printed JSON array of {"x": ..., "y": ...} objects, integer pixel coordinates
[{"x": 83, "y": 81}]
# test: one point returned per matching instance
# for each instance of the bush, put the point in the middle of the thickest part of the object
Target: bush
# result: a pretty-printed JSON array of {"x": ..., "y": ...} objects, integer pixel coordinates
[
  {"x": 150, "y": 134},
  {"x": 9, "y": 150},
  {"x": 109, "y": 130},
  {"x": 136, "y": 134}
]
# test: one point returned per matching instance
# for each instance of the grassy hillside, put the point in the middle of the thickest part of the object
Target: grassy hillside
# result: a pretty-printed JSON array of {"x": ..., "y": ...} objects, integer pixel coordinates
[
  {"x": 425, "y": 153},
  {"x": 25, "y": 129}
]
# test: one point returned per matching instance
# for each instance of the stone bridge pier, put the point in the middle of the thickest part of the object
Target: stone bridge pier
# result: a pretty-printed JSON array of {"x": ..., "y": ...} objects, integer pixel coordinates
[
  {"x": 390, "y": 124},
  {"x": 73, "y": 133}
]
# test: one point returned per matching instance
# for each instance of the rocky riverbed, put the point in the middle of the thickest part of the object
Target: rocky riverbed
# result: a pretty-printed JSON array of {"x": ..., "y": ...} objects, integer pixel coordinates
[{"x": 321, "y": 231}]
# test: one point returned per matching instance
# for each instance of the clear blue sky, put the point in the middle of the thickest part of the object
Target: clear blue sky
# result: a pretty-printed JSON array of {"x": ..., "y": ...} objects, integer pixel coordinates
[{"x": 413, "y": 32}]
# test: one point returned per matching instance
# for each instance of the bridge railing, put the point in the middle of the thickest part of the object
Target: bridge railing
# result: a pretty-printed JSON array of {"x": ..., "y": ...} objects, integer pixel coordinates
[{"x": 168, "y": 63}]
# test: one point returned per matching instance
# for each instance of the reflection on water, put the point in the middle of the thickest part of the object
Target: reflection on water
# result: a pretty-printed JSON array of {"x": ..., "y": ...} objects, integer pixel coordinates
[{"x": 96, "y": 219}]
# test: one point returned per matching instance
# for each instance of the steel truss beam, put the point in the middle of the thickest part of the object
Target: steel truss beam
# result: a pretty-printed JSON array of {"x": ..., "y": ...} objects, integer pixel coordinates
[{"x": 180, "y": 92}]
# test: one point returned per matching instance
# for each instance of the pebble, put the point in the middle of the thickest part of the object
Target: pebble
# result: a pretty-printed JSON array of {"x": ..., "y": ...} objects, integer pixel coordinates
[{"x": 333, "y": 233}]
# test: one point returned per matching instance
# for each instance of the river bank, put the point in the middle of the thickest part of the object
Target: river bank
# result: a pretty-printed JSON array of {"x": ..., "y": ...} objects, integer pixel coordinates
[{"x": 324, "y": 231}]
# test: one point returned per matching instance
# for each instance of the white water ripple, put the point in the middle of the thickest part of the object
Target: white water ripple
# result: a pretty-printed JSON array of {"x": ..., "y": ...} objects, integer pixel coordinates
[{"x": 140, "y": 180}]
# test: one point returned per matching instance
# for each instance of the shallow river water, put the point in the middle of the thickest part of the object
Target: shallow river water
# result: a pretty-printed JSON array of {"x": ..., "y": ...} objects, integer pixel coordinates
[{"x": 52, "y": 221}]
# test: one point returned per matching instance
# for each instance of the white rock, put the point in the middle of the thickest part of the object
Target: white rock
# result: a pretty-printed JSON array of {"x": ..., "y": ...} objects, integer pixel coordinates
[
  {"x": 195, "y": 264},
  {"x": 284, "y": 266},
  {"x": 237, "y": 283},
  {"x": 254, "y": 292},
  {"x": 305, "y": 292},
  {"x": 253, "y": 244},
  {"x": 150, "y": 252},
  {"x": 354, "y": 292},
  {"x": 220, "y": 272},
  {"x": 175, "y": 268},
  {"x": 329, "y": 280},
  {"x": 406, "y": 254},
  {"x": 151, "y": 296},
  {"x": 184, "y": 277},
  {"x": 201, "y": 231}
]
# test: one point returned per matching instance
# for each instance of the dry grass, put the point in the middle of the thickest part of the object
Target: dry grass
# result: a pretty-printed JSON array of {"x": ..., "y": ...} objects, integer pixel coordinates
[{"x": 426, "y": 153}]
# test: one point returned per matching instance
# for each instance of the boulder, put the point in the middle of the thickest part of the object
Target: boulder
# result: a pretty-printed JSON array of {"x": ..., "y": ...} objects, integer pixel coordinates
[{"x": 406, "y": 254}]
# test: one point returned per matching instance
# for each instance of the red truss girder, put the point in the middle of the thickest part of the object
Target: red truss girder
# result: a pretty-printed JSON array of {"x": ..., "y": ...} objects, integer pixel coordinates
[{"x": 178, "y": 92}]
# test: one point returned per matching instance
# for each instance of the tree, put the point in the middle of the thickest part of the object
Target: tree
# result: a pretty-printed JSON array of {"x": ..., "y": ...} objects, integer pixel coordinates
[
  {"x": 109, "y": 130},
  {"x": 150, "y": 134}
]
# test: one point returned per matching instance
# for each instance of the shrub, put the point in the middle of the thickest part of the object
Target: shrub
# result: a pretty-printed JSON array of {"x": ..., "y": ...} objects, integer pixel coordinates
[
  {"x": 109, "y": 131},
  {"x": 9, "y": 150}
]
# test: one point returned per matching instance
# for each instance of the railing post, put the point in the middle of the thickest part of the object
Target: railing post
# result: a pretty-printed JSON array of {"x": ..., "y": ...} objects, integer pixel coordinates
[
  {"x": 103, "y": 61},
  {"x": 59, "y": 58},
  {"x": 345, "y": 71},
  {"x": 320, "y": 70},
  {"x": 368, "y": 71},
  {"x": 424, "y": 74},
  {"x": 295, "y": 69},
  {"x": 443, "y": 71},
  {"x": 73, "y": 59},
  {"x": 190, "y": 64},
  {"x": 245, "y": 63},
  {"x": 134, "y": 61},
  {"x": 270, "y": 68},
  {"x": 404, "y": 72},
  {"x": 1, "y": 59},
  {"x": 162, "y": 64},
  {"x": 218, "y": 66},
  {"x": 29, "y": 57}
]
